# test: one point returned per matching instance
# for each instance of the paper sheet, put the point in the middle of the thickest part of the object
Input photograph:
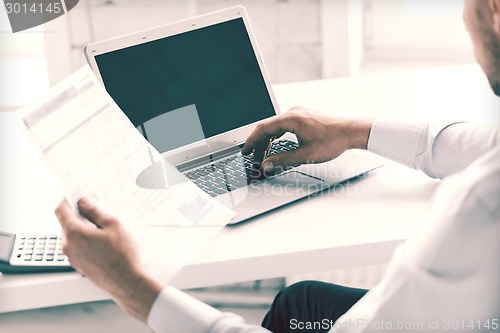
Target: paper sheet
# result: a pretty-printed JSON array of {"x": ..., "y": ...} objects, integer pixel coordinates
[{"x": 95, "y": 151}]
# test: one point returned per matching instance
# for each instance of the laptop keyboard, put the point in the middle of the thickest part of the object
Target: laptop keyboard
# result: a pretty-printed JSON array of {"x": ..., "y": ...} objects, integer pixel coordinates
[{"x": 233, "y": 172}]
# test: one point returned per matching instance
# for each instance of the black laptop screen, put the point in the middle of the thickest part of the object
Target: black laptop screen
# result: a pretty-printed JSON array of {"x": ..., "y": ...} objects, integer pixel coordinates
[{"x": 188, "y": 87}]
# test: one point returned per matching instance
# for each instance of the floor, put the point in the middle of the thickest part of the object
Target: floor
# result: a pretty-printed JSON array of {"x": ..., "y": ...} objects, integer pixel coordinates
[
  {"x": 94, "y": 317},
  {"x": 250, "y": 300}
]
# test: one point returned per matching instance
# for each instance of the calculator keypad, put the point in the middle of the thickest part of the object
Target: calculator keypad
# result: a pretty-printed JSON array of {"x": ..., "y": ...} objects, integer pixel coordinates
[{"x": 39, "y": 250}]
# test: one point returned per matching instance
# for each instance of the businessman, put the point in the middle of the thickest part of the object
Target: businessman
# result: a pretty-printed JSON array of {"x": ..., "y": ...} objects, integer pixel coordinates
[{"x": 444, "y": 278}]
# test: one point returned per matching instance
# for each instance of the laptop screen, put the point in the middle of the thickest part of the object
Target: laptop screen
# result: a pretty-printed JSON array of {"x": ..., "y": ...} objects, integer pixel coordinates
[{"x": 188, "y": 87}]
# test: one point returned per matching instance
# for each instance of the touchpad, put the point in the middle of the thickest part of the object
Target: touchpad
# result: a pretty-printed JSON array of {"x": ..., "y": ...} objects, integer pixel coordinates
[
  {"x": 291, "y": 183},
  {"x": 270, "y": 193},
  {"x": 294, "y": 178}
]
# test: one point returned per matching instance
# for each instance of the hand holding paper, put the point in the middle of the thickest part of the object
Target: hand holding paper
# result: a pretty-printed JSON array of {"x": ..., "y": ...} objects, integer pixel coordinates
[{"x": 108, "y": 256}]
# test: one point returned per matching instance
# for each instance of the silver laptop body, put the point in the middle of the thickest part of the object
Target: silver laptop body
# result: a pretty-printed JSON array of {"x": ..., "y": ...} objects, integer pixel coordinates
[{"x": 196, "y": 89}]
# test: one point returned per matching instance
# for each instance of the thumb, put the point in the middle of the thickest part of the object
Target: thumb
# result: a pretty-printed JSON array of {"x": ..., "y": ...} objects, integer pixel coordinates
[
  {"x": 281, "y": 161},
  {"x": 94, "y": 214}
]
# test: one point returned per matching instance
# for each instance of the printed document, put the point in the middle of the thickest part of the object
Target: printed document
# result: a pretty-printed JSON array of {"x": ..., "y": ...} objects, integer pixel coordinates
[{"x": 96, "y": 152}]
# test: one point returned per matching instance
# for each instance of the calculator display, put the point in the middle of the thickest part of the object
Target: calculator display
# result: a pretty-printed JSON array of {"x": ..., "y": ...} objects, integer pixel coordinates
[{"x": 6, "y": 244}]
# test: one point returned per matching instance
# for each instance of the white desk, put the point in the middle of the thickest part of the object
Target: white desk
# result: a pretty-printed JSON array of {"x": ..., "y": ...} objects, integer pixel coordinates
[{"x": 357, "y": 225}]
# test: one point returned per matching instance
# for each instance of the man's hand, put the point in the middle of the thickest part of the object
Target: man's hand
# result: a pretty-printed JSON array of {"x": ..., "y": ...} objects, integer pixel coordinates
[
  {"x": 106, "y": 253},
  {"x": 320, "y": 138}
]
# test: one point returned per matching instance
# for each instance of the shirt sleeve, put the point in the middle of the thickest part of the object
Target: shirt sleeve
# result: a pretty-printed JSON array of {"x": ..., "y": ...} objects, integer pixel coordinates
[
  {"x": 175, "y": 311},
  {"x": 436, "y": 149}
]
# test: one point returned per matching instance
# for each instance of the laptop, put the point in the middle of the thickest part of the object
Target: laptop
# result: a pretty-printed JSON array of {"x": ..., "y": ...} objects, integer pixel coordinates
[{"x": 196, "y": 89}]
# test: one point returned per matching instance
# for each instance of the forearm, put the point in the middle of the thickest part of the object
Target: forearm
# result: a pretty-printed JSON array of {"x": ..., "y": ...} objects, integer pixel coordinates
[
  {"x": 166, "y": 309},
  {"x": 359, "y": 132},
  {"x": 437, "y": 150},
  {"x": 135, "y": 294},
  {"x": 175, "y": 311},
  {"x": 444, "y": 150}
]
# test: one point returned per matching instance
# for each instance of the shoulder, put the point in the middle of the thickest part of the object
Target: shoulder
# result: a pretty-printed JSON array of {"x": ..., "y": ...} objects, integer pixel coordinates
[
  {"x": 462, "y": 222},
  {"x": 479, "y": 185}
]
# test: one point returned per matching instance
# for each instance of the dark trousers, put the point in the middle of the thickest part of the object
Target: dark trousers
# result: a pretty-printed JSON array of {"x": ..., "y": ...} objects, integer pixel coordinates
[{"x": 298, "y": 307}]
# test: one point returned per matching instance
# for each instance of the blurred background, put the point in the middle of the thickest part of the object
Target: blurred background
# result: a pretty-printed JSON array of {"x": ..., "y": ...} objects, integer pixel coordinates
[{"x": 300, "y": 40}]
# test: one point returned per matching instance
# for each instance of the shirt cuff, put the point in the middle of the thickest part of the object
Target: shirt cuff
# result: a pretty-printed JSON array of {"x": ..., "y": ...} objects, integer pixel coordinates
[
  {"x": 398, "y": 141},
  {"x": 175, "y": 311}
]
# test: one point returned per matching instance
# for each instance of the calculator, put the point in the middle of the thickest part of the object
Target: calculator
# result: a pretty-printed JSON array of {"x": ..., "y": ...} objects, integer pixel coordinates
[{"x": 30, "y": 253}]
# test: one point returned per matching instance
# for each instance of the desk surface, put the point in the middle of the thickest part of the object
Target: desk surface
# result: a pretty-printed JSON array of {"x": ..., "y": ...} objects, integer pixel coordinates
[{"x": 357, "y": 224}]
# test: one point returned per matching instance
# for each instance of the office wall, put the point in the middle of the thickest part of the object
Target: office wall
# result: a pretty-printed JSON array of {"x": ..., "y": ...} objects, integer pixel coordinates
[
  {"x": 288, "y": 32},
  {"x": 300, "y": 39},
  {"x": 22, "y": 65},
  {"x": 406, "y": 34}
]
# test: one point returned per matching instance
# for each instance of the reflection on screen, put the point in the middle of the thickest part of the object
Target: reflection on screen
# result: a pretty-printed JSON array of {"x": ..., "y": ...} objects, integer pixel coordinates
[
  {"x": 212, "y": 72},
  {"x": 183, "y": 124}
]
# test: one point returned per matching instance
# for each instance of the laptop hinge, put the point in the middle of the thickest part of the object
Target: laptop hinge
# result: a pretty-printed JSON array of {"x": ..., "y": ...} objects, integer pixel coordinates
[{"x": 210, "y": 157}]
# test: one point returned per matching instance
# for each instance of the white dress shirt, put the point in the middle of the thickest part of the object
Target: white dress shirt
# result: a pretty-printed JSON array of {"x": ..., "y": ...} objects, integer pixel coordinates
[{"x": 446, "y": 278}]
